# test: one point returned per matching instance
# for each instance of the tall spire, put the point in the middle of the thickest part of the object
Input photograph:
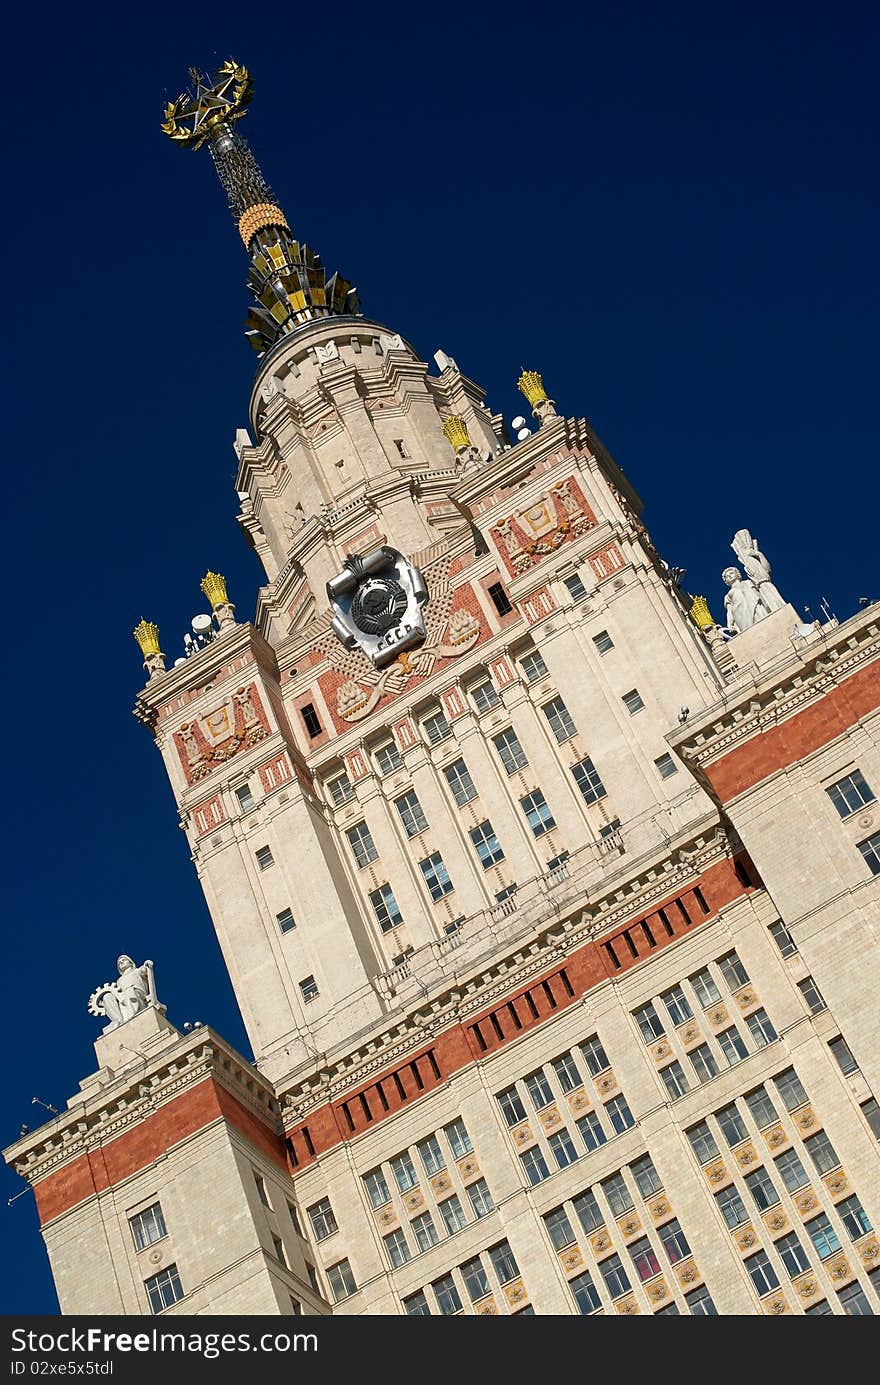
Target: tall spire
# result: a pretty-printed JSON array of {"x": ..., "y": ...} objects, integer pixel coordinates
[{"x": 286, "y": 277}]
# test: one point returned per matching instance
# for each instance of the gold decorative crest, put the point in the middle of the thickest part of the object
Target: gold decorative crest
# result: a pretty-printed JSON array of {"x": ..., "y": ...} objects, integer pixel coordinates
[{"x": 192, "y": 117}]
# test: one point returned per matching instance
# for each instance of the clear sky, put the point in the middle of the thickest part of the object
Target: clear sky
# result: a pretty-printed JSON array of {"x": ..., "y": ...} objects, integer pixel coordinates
[{"x": 669, "y": 210}]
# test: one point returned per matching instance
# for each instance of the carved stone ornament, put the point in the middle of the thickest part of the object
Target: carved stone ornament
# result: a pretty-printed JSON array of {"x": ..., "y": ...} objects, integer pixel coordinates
[
  {"x": 377, "y": 602},
  {"x": 121, "y": 1000}
]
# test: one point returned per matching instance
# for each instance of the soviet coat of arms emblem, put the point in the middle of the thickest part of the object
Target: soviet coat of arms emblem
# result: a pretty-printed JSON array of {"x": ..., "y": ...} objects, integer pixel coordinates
[{"x": 378, "y": 601}]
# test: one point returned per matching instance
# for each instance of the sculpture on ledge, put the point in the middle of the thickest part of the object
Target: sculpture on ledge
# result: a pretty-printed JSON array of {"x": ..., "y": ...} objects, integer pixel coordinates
[
  {"x": 750, "y": 598},
  {"x": 121, "y": 1000}
]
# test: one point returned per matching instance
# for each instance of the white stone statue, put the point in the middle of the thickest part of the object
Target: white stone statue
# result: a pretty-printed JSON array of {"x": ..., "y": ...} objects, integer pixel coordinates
[
  {"x": 750, "y": 598},
  {"x": 121, "y": 1000}
]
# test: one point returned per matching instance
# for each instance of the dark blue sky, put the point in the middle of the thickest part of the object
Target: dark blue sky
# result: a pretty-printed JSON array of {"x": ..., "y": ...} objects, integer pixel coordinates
[{"x": 670, "y": 212}]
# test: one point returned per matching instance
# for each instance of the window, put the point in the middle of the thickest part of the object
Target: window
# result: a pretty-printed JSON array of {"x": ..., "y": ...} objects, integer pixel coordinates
[
  {"x": 424, "y": 1230},
  {"x": 783, "y": 939},
  {"x": 295, "y": 1306},
  {"x": 499, "y": 599},
  {"x": 677, "y": 1005},
  {"x": 871, "y": 1111},
  {"x": 792, "y": 1171},
  {"x": 762, "y": 1273},
  {"x": 148, "y": 1226},
  {"x": 311, "y": 720},
  {"x": 340, "y": 789},
  {"x": 320, "y": 1214},
  {"x": 855, "y": 1302},
  {"x": 645, "y": 1259},
  {"x": 533, "y": 666},
  {"x": 588, "y": 1211},
  {"x": 671, "y": 1309},
  {"x": 361, "y": 843},
  {"x": 870, "y": 849},
  {"x": 587, "y": 779},
  {"x": 436, "y": 728},
  {"x": 700, "y": 1303},
  {"x": 760, "y": 1185},
  {"x": 261, "y": 1191},
  {"x": 486, "y": 845},
  {"x": 792, "y": 1254},
  {"x": 507, "y": 893},
  {"x": 163, "y": 1289},
  {"x": 823, "y": 1308},
  {"x": 264, "y": 857},
  {"x": 618, "y": 1194},
  {"x": 431, "y": 1154},
  {"x": 562, "y": 1149},
  {"x": 559, "y": 1229},
  {"x": 558, "y": 862},
  {"x": 388, "y": 758},
  {"x": 762, "y": 1110},
  {"x": 591, "y": 1132},
  {"x": 576, "y": 589},
  {"x": 788, "y": 1084},
  {"x": 674, "y": 1241},
  {"x": 585, "y": 1293},
  {"x": 534, "y": 1166},
  {"x": 377, "y": 1188},
  {"x": 850, "y": 793},
  {"x": 388, "y": 916},
  {"x": 401, "y": 448},
  {"x": 397, "y": 1248},
  {"x": 822, "y": 1152},
  {"x": 285, "y": 920},
  {"x": 732, "y": 1208},
  {"x": 404, "y": 1171},
  {"x": 411, "y": 815},
  {"x": 706, "y": 991},
  {"x": 666, "y": 766},
  {"x": 313, "y": 1278},
  {"x": 615, "y": 1277},
  {"x": 649, "y": 1023},
  {"x": 760, "y": 1028},
  {"x": 646, "y": 1176},
  {"x": 484, "y": 696},
  {"x": 278, "y": 1246},
  {"x": 436, "y": 876},
  {"x": 511, "y": 1105},
  {"x": 703, "y": 1142},
  {"x": 732, "y": 1045},
  {"x": 619, "y": 1114},
  {"x": 566, "y": 1071},
  {"x": 632, "y": 701},
  {"x": 540, "y": 819},
  {"x": 510, "y": 751},
  {"x": 812, "y": 995},
  {"x": 459, "y": 1139},
  {"x": 603, "y": 642},
  {"x": 560, "y": 720},
  {"x": 823, "y": 1236},
  {"x": 595, "y": 1055},
  {"x": 481, "y": 1198},
  {"x": 674, "y": 1080},
  {"x": 447, "y": 1295},
  {"x": 845, "y": 1060},
  {"x": 294, "y": 1219},
  {"x": 459, "y": 780},
  {"x": 245, "y": 798},
  {"x": 308, "y": 988},
  {"x": 416, "y": 1306},
  {"x": 475, "y": 1280},
  {"x": 504, "y": 1263},
  {"x": 453, "y": 1215},
  {"x": 733, "y": 971},
  {"x": 854, "y": 1218},
  {"x": 732, "y": 1127}
]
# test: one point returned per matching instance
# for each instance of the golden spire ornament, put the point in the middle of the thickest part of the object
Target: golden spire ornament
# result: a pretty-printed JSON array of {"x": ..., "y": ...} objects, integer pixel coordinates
[
  {"x": 213, "y": 584},
  {"x": 147, "y": 635},
  {"x": 531, "y": 385},
  {"x": 467, "y": 456}
]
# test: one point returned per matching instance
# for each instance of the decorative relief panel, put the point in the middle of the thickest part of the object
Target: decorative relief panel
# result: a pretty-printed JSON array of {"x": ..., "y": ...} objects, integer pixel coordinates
[
  {"x": 716, "y": 1173},
  {"x": 627, "y": 1306},
  {"x": 775, "y": 1136},
  {"x": 745, "y": 1155},
  {"x": 690, "y": 1035},
  {"x": 747, "y": 998},
  {"x": 606, "y": 1083},
  {"x": 806, "y": 1201},
  {"x": 453, "y": 702},
  {"x": 405, "y": 734},
  {"x": 522, "y": 1135},
  {"x": 600, "y": 1242},
  {"x": 441, "y": 1184},
  {"x": 502, "y": 673},
  {"x": 837, "y": 1183},
  {"x": 629, "y": 1225},
  {"x": 776, "y": 1221},
  {"x": 657, "y": 1290},
  {"x": 538, "y": 605},
  {"x": 775, "y": 1305},
  {"x": 805, "y": 1120},
  {"x": 744, "y": 1238},
  {"x": 208, "y": 815},
  {"x": 210, "y": 740},
  {"x": 550, "y": 1118},
  {"x": 687, "y": 1274},
  {"x": 718, "y": 1016},
  {"x": 571, "y": 1259},
  {"x": 607, "y": 562},
  {"x": 356, "y": 766},
  {"x": 839, "y": 1268},
  {"x": 386, "y": 1218},
  {"x": 414, "y": 1200},
  {"x": 659, "y": 1207},
  {"x": 660, "y": 1050},
  {"x": 526, "y": 536},
  {"x": 807, "y": 1287},
  {"x": 487, "y": 1307},
  {"x": 579, "y": 1101},
  {"x": 869, "y": 1252},
  {"x": 515, "y": 1293},
  {"x": 275, "y": 772},
  {"x": 469, "y": 1168}
]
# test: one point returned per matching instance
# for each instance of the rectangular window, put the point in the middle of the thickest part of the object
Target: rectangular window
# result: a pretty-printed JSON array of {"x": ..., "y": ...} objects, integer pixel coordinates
[
  {"x": 702, "y": 1142},
  {"x": 484, "y": 696},
  {"x": 760, "y": 1185},
  {"x": 486, "y": 844},
  {"x": 416, "y": 1306},
  {"x": 264, "y": 857},
  {"x": 677, "y": 1004},
  {"x": 603, "y": 642},
  {"x": 843, "y": 1056},
  {"x": 481, "y": 1198},
  {"x": 812, "y": 995},
  {"x": 733, "y": 971},
  {"x": 539, "y": 1089},
  {"x": 309, "y": 988},
  {"x": 615, "y": 1277},
  {"x": 587, "y": 1211},
  {"x": 377, "y": 1188},
  {"x": 540, "y": 819},
  {"x": 560, "y": 720},
  {"x": 388, "y": 916},
  {"x": 388, "y": 758},
  {"x": 510, "y": 752},
  {"x": 822, "y": 1152},
  {"x": 424, "y": 1230},
  {"x": 436, "y": 728},
  {"x": 431, "y": 1154},
  {"x": 790, "y": 1088},
  {"x": 854, "y": 1218},
  {"x": 666, "y": 766},
  {"x": 576, "y": 589},
  {"x": 674, "y": 1080},
  {"x": 732, "y": 1127},
  {"x": 533, "y": 667},
  {"x": 511, "y": 1105},
  {"x": 311, "y": 720},
  {"x": 397, "y": 1248},
  {"x": 245, "y": 798},
  {"x": 706, "y": 991},
  {"x": 559, "y": 1229},
  {"x": 618, "y": 1112},
  {"x": 855, "y": 1301},
  {"x": 453, "y": 1215},
  {"x": 618, "y": 1194},
  {"x": 585, "y": 1293},
  {"x": 792, "y": 1171},
  {"x": 436, "y": 876},
  {"x": 850, "y": 793},
  {"x": 410, "y": 812},
  {"x": 591, "y": 1132},
  {"x": 703, "y": 1063},
  {"x": 148, "y": 1226},
  {"x": 261, "y": 1191},
  {"x": 534, "y": 1166},
  {"x": 294, "y": 1219},
  {"x": 761, "y": 1108},
  {"x": 285, "y": 920},
  {"x": 163, "y": 1289},
  {"x": 587, "y": 779},
  {"x": 632, "y": 701},
  {"x": 732, "y": 1208},
  {"x": 458, "y": 1137},
  {"x": 475, "y": 1280},
  {"x": 460, "y": 782},
  {"x": 760, "y": 1028},
  {"x": 404, "y": 1171},
  {"x": 562, "y": 1149},
  {"x": 733, "y": 1045},
  {"x": 783, "y": 939},
  {"x": 595, "y": 1055},
  {"x": 674, "y": 1241},
  {"x": 822, "y": 1309},
  {"x": 644, "y": 1259},
  {"x": 504, "y": 1263},
  {"x": 361, "y": 843},
  {"x": 500, "y": 599},
  {"x": 870, "y": 849},
  {"x": 447, "y": 1296},
  {"x": 340, "y": 789},
  {"x": 567, "y": 1072},
  {"x": 700, "y": 1303},
  {"x": 792, "y": 1255},
  {"x": 320, "y": 1214},
  {"x": 823, "y": 1236},
  {"x": 646, "y": 1176},
  {"x": 871, "y": 1111},
  {"x": 649, "y": 1022},
  {"x": 762, "y": 1273}
]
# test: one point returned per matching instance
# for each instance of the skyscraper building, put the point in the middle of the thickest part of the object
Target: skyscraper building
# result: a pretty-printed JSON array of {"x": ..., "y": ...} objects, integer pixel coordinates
[{"x": 550, "y": 901}]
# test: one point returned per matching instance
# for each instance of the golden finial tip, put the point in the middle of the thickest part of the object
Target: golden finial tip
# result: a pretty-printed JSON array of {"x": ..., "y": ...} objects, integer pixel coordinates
[
  {"x": 700, "y": 613},
  {"x": 532, "y": 386},
  {"x": 213, "y": 584},
  {"x": 456, "y": 431},
  {"x": 147, "y": 636}
]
